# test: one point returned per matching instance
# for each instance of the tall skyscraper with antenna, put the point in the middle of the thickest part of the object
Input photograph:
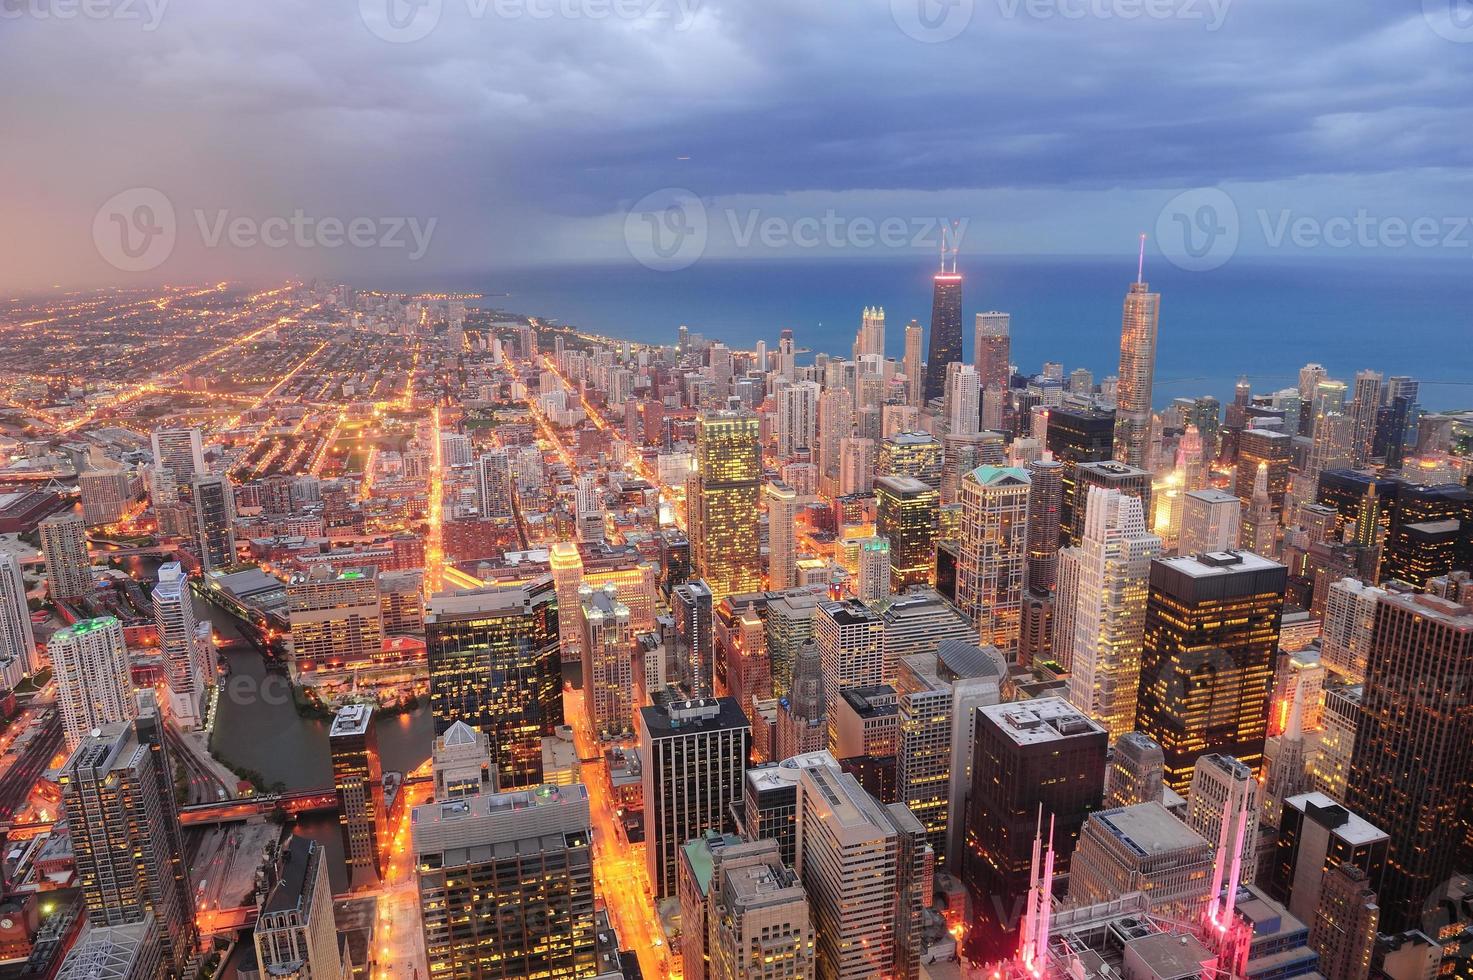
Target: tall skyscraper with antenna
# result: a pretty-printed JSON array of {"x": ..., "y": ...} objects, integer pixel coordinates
[
  {"x": 1137, "y": 368},
  {"x": 946, "y": 318}
]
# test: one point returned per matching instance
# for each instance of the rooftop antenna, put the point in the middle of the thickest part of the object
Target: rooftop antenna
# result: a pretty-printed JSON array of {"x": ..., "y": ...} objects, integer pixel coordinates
[
  {"x": 1140, "y": 268},
  {"x": 1046, "y": 897},
  {"x": 1026, "y": 944}
]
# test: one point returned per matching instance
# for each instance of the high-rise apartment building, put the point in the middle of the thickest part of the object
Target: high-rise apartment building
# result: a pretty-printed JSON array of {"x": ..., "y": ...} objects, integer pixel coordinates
[
  {"x": 336, "y": 619},
  {"x": 181, "y": 452},
  {"x": 357, "y": 775},
  {"x": 1315, "y": 834},
  {"x": 173, "y": 616},
  {"x": 797, "y": 417},
  {"x": 1212, "y": 630},
  {"x": 214, "y": 521},
  {"x": 106, "y": 494},
  {"x": 990, "y": 566},
  {"x": 506, "y": 885},
  {"x": 608, "y": 663},
  {"x": 1139, "y": 320},
  {"x": 17, "y": 640},
  {"x": 493, "y": 663},
  {"x": 1221, "y": 788},
  {"x": 117, "y": 788},
  {"x": 1135, "y": 773},
  {"x": 963, "y": 400},
  {"x": 1107, "y": 474},
  {"x": 760, "y": 926},
  {"x": 93, "y": 684},
  {"x": 1414, "y": 748},
  {"x": 494, "y": 477},
  {"x": 1074, "y": 436},
  {"x": 1344, "y": 924},
  {"x": 1350, "y": 618},
  {"x": 694, "y": 756},
  {"x": 1274, "y": 450},
  {"x": 68, "y": 566},
  {"x": 723, "y": 500},
  {"x": 913, "y": 365},
  {"x": 1366, "y": 399},
  {"x": 915, "y": 454},
  {"x": 1107, "y": 620}
]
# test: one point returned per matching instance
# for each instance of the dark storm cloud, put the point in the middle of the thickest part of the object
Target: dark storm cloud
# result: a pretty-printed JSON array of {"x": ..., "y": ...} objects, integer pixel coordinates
[{"x": 514, "y": 129}]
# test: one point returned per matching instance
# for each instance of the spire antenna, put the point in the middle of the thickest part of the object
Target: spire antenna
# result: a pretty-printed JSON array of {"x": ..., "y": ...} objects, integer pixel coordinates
[{"x": 1140, "y": 268}]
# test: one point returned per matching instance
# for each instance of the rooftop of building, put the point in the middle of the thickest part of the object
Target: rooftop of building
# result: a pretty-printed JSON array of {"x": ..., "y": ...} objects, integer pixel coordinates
[
  {"x": 1040, "y": 720},
  {"x": 1443, "y": 611},
  {"x": 109, "y": 952},
  {"x": 849, "y": 612},
  {"x": 871, "y": 701},
  {"x": 1219, "y": 563},
  {"x": 1346, "y": 824},
  {"x": 692, "y": 717},
  {"x": 84, "y": 626},
  {"x": 903, "y": 485},
  {"x": 290, "y": 889},
  {"x": 1113, "y": 468},
  {"x": 1148, "y": 829},
  {"x": 351, "y": 719},
  {"x": 1000, "y": 476},
  {"x": 1212, "y": 495},
  {"x": 912, "y": 439}
]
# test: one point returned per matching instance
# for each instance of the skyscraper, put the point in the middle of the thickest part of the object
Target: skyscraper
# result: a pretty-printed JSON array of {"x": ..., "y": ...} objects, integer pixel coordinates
[
  {"x": 336, "y": 618},
  {"x": 946, "y": 328},
  {"x": 871, "y": 339},
  {"x": 1212, "y": 629},
  {"x": 723, "y": 502},
  {"x": 1344, "y": 924},
  {"x": 694, "y": 756},
  {"x": 173, "y": 616},
  {"x": 358, "y": 777},
  {"x": 851, "y": 649},
  {"x": 1030, "y": 758},
  {"x": 124, "y": 832},
  {"x": 493, "y": 663},
  {"x": 1414, "y": 747},
  {"x": 782, "y": 508},
  {"x": 994, "y": 531},
  {"x": 1363, "y": 406},
  {"x": 759, "y": 920},
  {"x": 693, "y": 606},
  {"x": 1108, "y": 619},
  {"x": 295, "y": 935},
  {"x": 106, "y": 494},
  {"x": 506, "y": 885},
  {"x": 1075, "y": 436},
  {"x": 914, "y": 368},
  {"x": 906, "y": 516},
  {"x": 915, "y": 454},
  {"x": 874, "y": 569},
  {"x": 93, "y": 683},
  {"x": 1135, "y": 771},
  {"x": 608, "y": 663},
  {"x": 797, "y": 416},
  {"x": 1138, "y": 325},
  {"x": 1210, "y": 520},
  {"x": 963, "y": 400},
  {"x": 1274, "y": 450},
  {"x": 17, "y": 641},
  {"x": 214, "y": 517},
  {"x": 493, "y": 470},
  {"x": 181, "y": 452},
  {"x": 802, "y": 718},
  {"x": 1045, "y": 495},
  {"x": 993, "y": 349},
  {"x": 68, "y": 566}
]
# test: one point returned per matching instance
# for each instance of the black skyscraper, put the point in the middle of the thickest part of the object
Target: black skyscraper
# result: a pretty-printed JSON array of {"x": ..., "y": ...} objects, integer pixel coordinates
[{"x": 946, "y": 330}]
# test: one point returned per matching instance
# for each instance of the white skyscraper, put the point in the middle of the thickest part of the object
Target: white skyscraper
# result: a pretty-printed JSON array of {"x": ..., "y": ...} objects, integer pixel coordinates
[
  {"x": 1210, "y": 520},
  {"x": 93, "y": 685},
  {"x": 963, "y": 400},
  {"x": 874, "y": 569},
  {"x": 173, "y": 615},
  {"x": 871, "y": 339},
  {"x": 181, "y": 451},
  {"x": 1114, "y": 560},
  {"x": 1350, "y": 619},
  {"x": 797, "y": 416},
  {"x": 782, "y": 507},
  {"x": 17, "y": 642},
  {"x": 993, "y": 554}
]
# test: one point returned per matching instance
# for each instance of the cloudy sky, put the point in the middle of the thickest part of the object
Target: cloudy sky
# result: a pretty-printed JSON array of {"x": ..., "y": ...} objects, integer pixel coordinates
[{"x": 473, "y": 134}]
